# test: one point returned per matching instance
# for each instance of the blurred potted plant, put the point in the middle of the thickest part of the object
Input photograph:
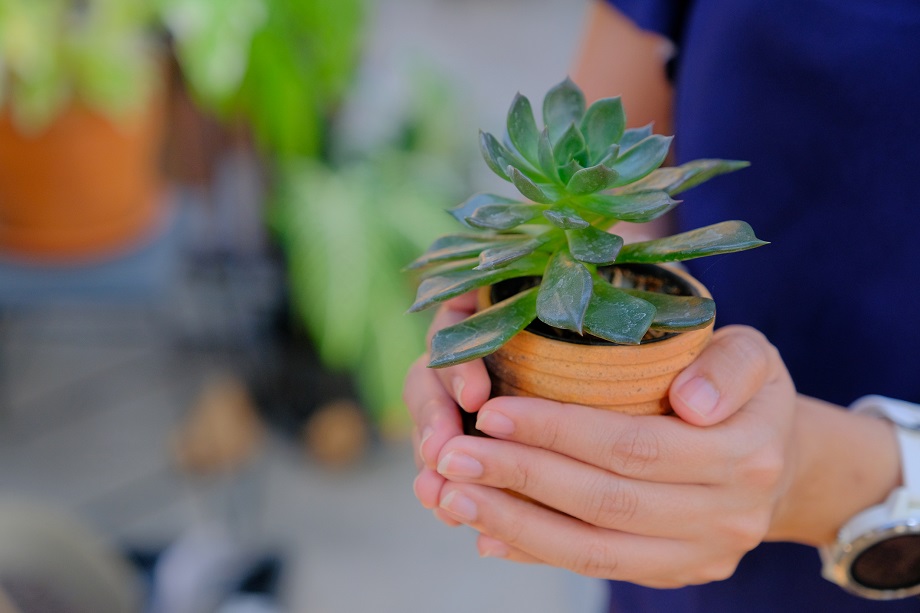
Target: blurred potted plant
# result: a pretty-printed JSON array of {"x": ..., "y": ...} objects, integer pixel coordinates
[
  {"x": 349, "y": 229},
  {"x": 568, "y": 312},
  {"x": 282, "y": 67},
  {"x": 80, "y": 125}
]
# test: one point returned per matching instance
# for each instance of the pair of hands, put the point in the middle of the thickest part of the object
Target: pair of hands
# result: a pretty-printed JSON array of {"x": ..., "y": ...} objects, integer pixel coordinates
[{"x": 658, "y": 501}]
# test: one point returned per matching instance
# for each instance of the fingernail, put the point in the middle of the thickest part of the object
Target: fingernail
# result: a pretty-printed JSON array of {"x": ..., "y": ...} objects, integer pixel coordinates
[
  {"x": 700, "y": 395},
  {"x": 426, "y": 434},
  {"x": 459, "y": 506},
  {"x": 494, "y": 423},
  {"x": 458, "y": 384},
  {"x": 494, "y": 550},
  {"x": 415, "y": 488},
  {"x": 456, "y": 464}
]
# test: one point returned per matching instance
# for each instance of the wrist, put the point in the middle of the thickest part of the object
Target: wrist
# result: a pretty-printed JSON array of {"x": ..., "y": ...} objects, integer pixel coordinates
[
  {"x": 842, "y": 464},
  {"x": 877, "y": 552}
]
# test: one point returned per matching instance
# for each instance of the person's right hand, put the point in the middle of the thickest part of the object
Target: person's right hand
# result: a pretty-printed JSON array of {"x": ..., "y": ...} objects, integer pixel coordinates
[{"x": 432, "y": 397}]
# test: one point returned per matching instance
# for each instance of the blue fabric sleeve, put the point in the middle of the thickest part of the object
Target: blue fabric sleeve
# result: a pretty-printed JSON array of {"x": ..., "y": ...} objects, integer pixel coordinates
[{"x": 662, "y": 16}]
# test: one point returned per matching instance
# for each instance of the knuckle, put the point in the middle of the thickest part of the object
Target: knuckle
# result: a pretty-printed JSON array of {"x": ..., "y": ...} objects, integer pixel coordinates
[
  {"x": 596, "y": 560},
  {"x": 749, "y": 348},
  {"x": 747, "y": 531},
  {"x": 512, "y": 533},
  {"x": 519, "y": 476},
  {"x": 614, "y": 503},
  {"x": 550, "y": 433},
  {"x": 762, "y": 470},
  {"x": 634, "y": 449},
  {"x": 717, "y": 571}
]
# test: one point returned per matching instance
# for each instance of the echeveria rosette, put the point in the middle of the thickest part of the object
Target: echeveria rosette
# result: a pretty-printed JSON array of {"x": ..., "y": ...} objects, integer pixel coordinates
[{"x": 581, "y": 174}]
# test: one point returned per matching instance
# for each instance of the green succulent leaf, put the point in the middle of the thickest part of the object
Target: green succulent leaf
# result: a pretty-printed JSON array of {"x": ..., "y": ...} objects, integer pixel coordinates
[
  {"x": 616, "y": 316},
  {"x": 564, "y": 293},
  {"x": 591, "y": 180},
  {"x": 502, "y": 255},
  {"x": 642, "y": 158},
  {"x": 528, "y": 188},
  {"x": 609, "y": 156},
  {"x": 634, "y": 136},
  {"x": 504, "y": 216},
  {"x": 484, "y": 332},
  {"x": 638, "y": 207},
  {"x": 522, "y": 129},
  {"x": 594, "y": 246},
  {"x": 568, "y": 171},
  {"x": 563, "y": 105},
  {"x": 458, "y": 246},
  {"x": 545, "y": 158},
  {"x": 498, "y": 156},
  {"x": 434, "y": 290},
  {"x": 565, "y": 217},
  {"x": 678, "y": 313},
  {"x": 725, "y": 237},
  {"x": 463, "y": 211},
  {"x": 440, "y": 268},
  {"x": 495, "y": 154},
  {"x": 570, "y": 144},
  {"x": 676, "y": 179},
  {"x": 603, "y": 126}
]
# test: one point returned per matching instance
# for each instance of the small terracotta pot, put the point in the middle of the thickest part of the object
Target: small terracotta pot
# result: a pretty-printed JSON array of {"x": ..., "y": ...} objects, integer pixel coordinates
[
  {"x": 631, "y": 379},
  {"x": 83, "y": 187}
]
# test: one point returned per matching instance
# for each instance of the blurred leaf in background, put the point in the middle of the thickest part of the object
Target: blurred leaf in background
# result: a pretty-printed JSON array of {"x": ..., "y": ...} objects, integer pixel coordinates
[
  {"x": 103, "y": 53},
  {"x": 282, "y": 66},
  {"x": 213, "y": 42},
  {"x": 348, "y": 232}
]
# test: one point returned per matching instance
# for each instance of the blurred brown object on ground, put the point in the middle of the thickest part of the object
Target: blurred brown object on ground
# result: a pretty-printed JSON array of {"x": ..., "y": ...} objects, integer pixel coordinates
[
  {"x": 84, "y": 187},
  {"x": 222, "y": 431},
  {"x": 337, "y": 433}
]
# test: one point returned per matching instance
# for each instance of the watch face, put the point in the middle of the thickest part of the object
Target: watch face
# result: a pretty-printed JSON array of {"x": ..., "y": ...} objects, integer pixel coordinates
[{"x": 890, "y": 564}]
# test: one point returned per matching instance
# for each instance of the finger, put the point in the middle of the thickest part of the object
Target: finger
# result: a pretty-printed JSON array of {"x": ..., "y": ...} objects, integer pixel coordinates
[
  {"x": 464, "y": 302},
  {"x": 566, "y": 542},
  {"x": 446, "y": 518},
  {"x": 726, "y": 375},
  {"x": 468, "y": 383},
  {"x": 489, "y": 547},
  {"x": 434, "y": 412},
  {"x": 427, "y": 487},
  {"x": 593, "y": 495},
  {"x": 651, "y": 448}
]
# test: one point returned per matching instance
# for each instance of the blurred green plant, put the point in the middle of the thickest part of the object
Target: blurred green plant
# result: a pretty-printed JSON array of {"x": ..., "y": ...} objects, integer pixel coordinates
[
  {"x": 102, "y": 52},
  {"x": 348, "y": 233},
  {"x": 282, "y": 66}
]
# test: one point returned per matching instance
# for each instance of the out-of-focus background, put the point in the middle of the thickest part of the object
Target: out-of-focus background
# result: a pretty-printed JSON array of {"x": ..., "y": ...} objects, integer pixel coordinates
[{"x": 205, "y": 207}]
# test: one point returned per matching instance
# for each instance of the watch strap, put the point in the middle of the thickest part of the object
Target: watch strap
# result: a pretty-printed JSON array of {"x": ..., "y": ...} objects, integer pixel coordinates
[{"x": 906, "y": 416}]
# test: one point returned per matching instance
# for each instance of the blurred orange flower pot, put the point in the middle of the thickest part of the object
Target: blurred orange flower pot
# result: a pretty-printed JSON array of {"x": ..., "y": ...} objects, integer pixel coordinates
[
  {"x": 631, "y": 379},
  {"x": 85, "y": 187}
]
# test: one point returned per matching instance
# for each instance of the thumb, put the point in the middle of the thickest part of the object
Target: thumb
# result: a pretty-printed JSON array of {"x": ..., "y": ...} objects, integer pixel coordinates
[{"x": 735, "y": 365}]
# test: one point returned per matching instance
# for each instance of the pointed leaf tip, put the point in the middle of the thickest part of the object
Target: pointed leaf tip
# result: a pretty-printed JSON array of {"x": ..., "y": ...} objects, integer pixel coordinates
[
  {"x": 564, "y": 293},
  {"x": 563, "y": 104},
  {"x": 484, "y": 332},
  {"x": 522, "y": 129}
]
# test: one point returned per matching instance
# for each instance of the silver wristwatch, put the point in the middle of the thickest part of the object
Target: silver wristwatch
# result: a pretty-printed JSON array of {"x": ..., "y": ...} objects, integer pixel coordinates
[{"x": 877, "y": 552}]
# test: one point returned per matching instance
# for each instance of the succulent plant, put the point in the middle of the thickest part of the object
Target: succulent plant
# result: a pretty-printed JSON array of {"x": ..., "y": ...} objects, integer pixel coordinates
[{"x": 581, "y": 174}]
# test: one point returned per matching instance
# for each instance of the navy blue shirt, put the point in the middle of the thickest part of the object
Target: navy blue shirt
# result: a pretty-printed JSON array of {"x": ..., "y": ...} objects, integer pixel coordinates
[{"x": 823, "y": 98}]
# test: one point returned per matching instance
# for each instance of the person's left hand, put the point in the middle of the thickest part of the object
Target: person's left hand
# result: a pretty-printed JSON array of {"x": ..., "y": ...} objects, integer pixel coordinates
[{"x": 658, "y": 501}]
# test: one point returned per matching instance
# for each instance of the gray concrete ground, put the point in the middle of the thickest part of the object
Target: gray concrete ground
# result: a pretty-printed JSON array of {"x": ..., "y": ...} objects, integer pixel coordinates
[{"x": 92, "y": 396}]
